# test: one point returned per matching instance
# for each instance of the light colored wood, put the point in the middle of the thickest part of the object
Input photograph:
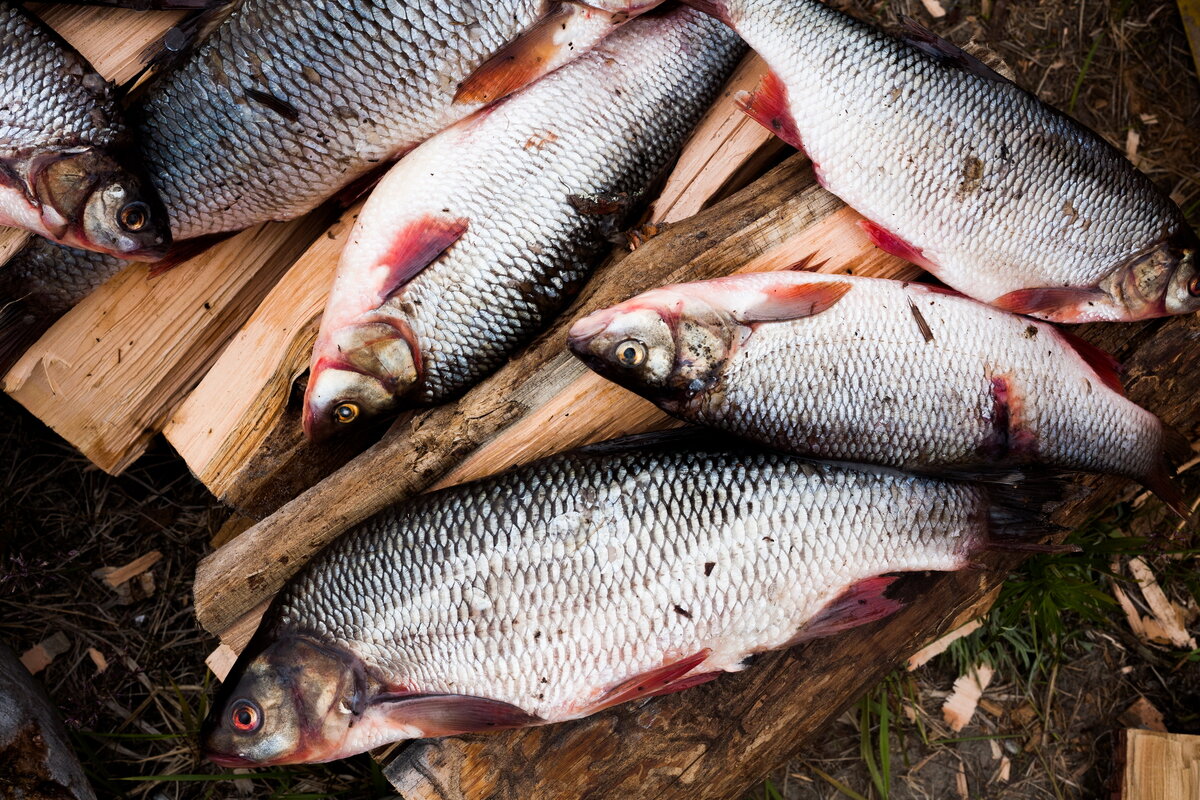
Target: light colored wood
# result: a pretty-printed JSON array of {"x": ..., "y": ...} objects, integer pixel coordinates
[
  {"x": 224, "y": 426},
  {"x": 1160, "y": 766},
  {"x": 111, "y": 39},
  {"x": 109, "y": 374},
  {"x": 239, "y": 432},
  {"x": 543, "y": 401},
  {"x": 132, "y": 569}
]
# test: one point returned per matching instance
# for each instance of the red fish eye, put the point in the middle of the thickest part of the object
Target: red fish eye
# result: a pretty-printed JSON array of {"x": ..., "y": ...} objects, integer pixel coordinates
[
  {"x": 246, "y": 716},
  {"x": 1194, "y": 286}
]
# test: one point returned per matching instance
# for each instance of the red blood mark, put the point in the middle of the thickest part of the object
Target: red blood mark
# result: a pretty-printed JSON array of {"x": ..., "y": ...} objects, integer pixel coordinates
[
  {"x": 1008, "y": 439},
  {"x": 768, "y": 106},
  {"x": 889, "y": 242}
]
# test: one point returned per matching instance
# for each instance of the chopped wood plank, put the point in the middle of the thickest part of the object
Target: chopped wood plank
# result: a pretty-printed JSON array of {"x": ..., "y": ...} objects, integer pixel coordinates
[
  {"x": 112, "y": 40},
  {"x": 1158, "y": 766},
  {"x": 239, "y": 431},
  {"x": 767, "y": 224},
  {"x": 109, "y": 374}
]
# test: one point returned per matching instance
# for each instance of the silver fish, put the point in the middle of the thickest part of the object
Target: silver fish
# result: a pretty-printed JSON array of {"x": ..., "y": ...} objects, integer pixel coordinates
[
  {"x": 580, "y": 582},
  {"x": 962, "y": 172},
  {"x": 67, "y": 168},
  {"x": 858, "y": 369},
  {"x": 477, "y": 238},
  {"x": 285, "y": 104}
]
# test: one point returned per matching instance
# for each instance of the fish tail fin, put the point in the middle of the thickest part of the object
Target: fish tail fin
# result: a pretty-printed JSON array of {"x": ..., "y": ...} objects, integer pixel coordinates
[
  {"x": 1020, "y": 503},
  {"x": 1161, "y": 479}
]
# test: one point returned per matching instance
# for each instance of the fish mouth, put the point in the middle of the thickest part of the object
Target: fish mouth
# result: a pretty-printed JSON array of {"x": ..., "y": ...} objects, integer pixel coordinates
[
  {"x": 151, "y": 253},
  {"x": 229, "y": 761}
]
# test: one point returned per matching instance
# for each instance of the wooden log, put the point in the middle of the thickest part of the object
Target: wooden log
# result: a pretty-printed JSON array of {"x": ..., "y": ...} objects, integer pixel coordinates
[
  {"x": 544, "y": 400},
  {"x": 109, "y": 374},
  {"x": 1157, "y": 766},
  {"x": 239, "y": 432}
]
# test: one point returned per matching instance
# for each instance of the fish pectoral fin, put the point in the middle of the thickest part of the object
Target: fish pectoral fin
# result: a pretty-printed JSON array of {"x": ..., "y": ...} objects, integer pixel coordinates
[
  {"x": 1104, "y": 364},
  {"x": 793, "y": 301},
  {"x": 668, "y": 678},
  {"x": 930, "y": 43},
  {"x": 890, "y": 243},
  {"x": 1057, "y": 304},
  {"x": 861, "y": 603},
  {"x": 565, "y": 31},
  {"x": 768, "y": 106},
  {"x": 451, "y": 714},
  {"x": 417, "y": 245}
]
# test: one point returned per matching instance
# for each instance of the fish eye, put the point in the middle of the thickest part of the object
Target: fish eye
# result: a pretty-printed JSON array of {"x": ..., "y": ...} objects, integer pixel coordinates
[
  {"x": 134, "y": 216},
  {"x": 631, "y": 353},
  {"x": 1193, "y": 286},
  {"x": 246, "y": 716},
  {"x": 345, "y": 413}
]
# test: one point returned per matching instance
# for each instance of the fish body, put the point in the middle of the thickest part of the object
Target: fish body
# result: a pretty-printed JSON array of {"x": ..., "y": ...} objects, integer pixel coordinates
[
  {"x": 285, "y": 104},
  {"x": 960, "y": 171},
  {"x": 479, "y": 237},
  {"x": 67, "y": 170},
  {"x": 903, "y": 375},
  {"x": 576, "y": 583}
]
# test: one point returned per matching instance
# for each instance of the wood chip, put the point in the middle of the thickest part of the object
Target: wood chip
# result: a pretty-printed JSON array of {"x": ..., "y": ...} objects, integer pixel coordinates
[
  {"x": 1132, "y": 140},
  {"x": 98, "y": 659},
  {"x": 995, "y": 709},
  {"x": 1142, "y": 714},
  {"x": 935, "y": 9},
  {"x": 38, "y": 657},
  {"x": 221, "y": 661},
  {"x": 1005, "y": 771},
  {"x": 1160, "y": 606},
  {"x": 960, "y": 706},
  {"x": 115, "y": 577},
  {"x": 960, "y": 782},
  {"x": 936, "y": 648}
]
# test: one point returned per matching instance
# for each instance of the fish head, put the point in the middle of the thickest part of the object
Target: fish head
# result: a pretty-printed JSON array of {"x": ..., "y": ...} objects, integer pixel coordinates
[
  {"x": 1182, "y": 260},
  {"x": 104, "y": 206},
  {"x": 1163, "y": 280},
  {"x": 667, "y": 344},
  {"x": 292, "y": 702},
  {"x": 359, "y": 373}
]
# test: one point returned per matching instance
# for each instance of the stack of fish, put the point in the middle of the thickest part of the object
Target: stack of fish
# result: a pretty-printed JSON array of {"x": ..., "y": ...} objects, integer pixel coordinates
[{"x": 642, "y": 566}]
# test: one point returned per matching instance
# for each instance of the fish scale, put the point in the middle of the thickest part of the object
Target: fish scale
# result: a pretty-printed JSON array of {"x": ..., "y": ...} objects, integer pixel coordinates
[
  {"x": 547, "y": 586},
  {"x": 993, "y": 190},
  {"x": 605, "y": 125},
  {"x": 898, "y": 374}
]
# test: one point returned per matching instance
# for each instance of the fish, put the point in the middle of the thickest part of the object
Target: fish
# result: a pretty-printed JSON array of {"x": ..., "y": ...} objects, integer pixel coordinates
[
  {"x": 960, "y": 171},
  {"x": 285, "y": 105},
  {"x": 561, "y": 588},
  {"x": 904, "y": 375},
  {"x": 68, "y": 168},
  {"x": 480, "y": 236}
]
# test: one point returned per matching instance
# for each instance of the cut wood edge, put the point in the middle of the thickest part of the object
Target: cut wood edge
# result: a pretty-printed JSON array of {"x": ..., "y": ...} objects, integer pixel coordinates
[{"x": 1155, "y": 765}]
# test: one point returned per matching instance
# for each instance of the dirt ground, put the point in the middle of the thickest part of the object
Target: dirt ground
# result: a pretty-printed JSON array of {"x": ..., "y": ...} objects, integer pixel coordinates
[{"x": 1122, "y": 67}]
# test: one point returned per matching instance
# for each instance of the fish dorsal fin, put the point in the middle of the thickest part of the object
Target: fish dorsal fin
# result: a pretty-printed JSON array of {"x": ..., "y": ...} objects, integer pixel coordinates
[
  {"x": 859, "y": 604},
  {"x": 768, "y": 106},
  {"x": 450, "y": 714},
  {"x": 417, "y": 245},
  {"x": 657, "y": 681},
  {"x": 567, "y": 29},
  {"x": 794, "y": 301},
  {"x": 1105, "y": 365},
  {"x": 931, "y": 44}
]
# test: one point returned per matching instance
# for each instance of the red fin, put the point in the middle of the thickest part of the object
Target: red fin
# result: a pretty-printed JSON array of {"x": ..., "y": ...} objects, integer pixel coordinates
[
  {"x": 655, "y": 682},
  {"x": 449, "y": 714},
  {"x": 1062, "y": 304},
  {"x": 1106, "y": 367},
  {"x": 861, "y": 603},
  {"x": 889, "y": 242},
  {"x": 689, "y": 682},
  {"x": 806, "y": 264},
  {"x": 544, "y": 46},
  {"x": 418, "y": 245},
  {"x": 768, "y": 106},
  {"x": 796, "y": 301},
  {"x": 714, "y": 8},
  {"x": 946, "y": 290}
]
